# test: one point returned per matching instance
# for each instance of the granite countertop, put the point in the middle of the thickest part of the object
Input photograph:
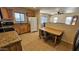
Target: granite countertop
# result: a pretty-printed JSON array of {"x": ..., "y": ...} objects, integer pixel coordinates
[{"x": 7, "y": 38}]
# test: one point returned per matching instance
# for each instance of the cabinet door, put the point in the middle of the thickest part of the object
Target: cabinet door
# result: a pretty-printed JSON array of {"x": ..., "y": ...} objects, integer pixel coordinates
[
  {"x": 25, "y": 28},
  {"x": 6, "y": 14},
  {"x": 19, "y": 46},
  {"x": 22, "y": 28},
  {"x": 17, "y": 28},
  {"x": 28, "y": 27}
]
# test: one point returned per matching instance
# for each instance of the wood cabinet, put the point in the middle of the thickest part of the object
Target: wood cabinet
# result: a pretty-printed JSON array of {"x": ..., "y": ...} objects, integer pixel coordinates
[
  {"x": 17, "y": 28},
  {"x": 0, "y": 15},
  {"x": 6, "y": 13},
  {"x": 12, "y": 47},
  {"x": 22, "y": 28},
  {"x": 26, "y": 28},
  {"x": 30, "y": 13}
]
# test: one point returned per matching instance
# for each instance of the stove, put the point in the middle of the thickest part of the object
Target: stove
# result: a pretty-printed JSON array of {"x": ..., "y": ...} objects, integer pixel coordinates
[{"x": 6, "y": 26}]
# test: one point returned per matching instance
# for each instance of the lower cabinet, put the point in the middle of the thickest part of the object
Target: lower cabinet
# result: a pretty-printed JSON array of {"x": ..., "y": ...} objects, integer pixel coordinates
[
  {"x": 22, "y": 28},
  {"x": 12, "y": 47},
  {"x": 17, "y": 28}
]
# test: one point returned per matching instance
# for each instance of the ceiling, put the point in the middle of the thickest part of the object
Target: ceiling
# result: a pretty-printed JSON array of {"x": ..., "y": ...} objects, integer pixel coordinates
[{"x": 54, "y": 10}]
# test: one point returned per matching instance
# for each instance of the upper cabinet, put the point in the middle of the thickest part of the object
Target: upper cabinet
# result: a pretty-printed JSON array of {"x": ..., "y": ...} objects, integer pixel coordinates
[
  {"x": 6, "y": 14},
  {"x": 0, "y": 15},
  {"x": 30, "y": 13}
]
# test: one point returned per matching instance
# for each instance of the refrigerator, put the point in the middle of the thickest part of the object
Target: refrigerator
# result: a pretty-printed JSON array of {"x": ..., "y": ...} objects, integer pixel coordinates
[{"x": 33, "y": 23}]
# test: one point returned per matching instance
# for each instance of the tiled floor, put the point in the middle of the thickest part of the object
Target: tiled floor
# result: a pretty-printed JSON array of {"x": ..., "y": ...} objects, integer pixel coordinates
[{"x": 32, "y": 42}]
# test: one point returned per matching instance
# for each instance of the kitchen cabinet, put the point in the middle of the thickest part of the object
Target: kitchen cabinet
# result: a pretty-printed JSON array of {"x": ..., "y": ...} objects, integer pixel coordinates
[
  {"x": 22, "y": 28},
  {"x": 17, "y": 28},
  {"x": 26, "y": 28},
  {"x": 12, "y": 47},
  {"x": 15, "y": 47},
  {"x": 6, "y": 13},
  {"x": 30, "y": 13},
  {"x": 10, "y": 41},
  {"x": 0, "y": 15}
]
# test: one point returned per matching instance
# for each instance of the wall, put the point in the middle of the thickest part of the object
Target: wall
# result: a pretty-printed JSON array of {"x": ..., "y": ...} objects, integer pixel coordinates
[
  {"x": 28, "y": 12},
  {"x": 20, "y": 10},
  {"x": 69, "y": 30},
  {"x": 62, "y": 17},
  {"x": 43, "y": 14},
  {"x": 37, "y": 14}
]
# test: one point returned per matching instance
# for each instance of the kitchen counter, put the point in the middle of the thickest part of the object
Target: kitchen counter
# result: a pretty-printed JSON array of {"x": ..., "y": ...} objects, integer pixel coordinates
[{"x": 8, "y": 38}]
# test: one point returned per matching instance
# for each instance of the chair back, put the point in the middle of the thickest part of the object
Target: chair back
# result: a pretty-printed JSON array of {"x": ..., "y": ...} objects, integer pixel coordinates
[{"x": 76, "y": 42}]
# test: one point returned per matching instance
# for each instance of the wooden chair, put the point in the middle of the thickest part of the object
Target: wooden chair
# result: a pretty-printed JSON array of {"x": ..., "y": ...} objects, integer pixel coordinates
[{"x": 76, "y": 42}]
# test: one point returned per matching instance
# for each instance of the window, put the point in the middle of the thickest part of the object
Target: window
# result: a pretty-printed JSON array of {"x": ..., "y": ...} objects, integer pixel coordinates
[
  {"x": 44, "y": 19},
  {"x": 55, "y": 19},
  {"x": 75, "y": 18},
  {"x": 74, "y": 21},
  {"x": 68, "y": 20},
  {"x": 19, "y": 17}
]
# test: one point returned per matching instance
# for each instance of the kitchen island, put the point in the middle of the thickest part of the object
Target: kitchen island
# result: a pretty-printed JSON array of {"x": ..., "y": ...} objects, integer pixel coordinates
[{"x": 10, "y": 41}]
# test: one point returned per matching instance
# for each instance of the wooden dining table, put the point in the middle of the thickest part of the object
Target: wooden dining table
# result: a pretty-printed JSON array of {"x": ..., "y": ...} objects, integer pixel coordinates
[{"x": 52, "y": 31}]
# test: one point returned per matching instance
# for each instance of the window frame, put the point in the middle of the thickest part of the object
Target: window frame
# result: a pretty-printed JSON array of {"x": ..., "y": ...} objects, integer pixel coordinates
[
  {"x": 44, "y": 19},
  {"x": 70, "y": 23},
  {"x": 75, "y": 18},
  {"x": 20, "y": 21},
  {"x": 55, "y": 20},
  {"x": 73, "y": 22}
]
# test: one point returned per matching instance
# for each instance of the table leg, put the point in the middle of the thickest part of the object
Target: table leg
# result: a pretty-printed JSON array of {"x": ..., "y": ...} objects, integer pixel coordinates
[{"x": 55, "y": 40}]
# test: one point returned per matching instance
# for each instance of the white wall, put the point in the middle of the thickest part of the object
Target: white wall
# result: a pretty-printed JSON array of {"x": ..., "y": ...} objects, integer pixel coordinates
[
  {"x": 20, "y": 10},
  {"x": 62, "y": 17},
  {"x": 69, "y": 30}
]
